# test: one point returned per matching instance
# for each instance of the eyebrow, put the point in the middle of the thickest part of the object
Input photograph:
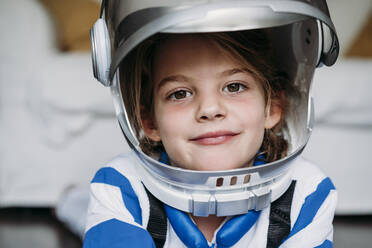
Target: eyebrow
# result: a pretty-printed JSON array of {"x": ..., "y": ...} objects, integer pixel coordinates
[
  {"x": 183, "y": 78},
  {"x": 233, "y": 71},
  {"x": 173, "y": 78}
]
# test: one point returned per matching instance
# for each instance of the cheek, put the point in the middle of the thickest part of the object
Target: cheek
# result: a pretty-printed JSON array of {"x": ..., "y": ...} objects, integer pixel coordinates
[
  {"x": 171, "y": 120},
  {"x": 251, "y": 111}
]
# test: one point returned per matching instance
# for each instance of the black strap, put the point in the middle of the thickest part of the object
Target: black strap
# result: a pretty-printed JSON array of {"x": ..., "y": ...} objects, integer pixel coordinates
[
  {"x": 280, "y": 221},
  {"x": 157, "y": 225}
]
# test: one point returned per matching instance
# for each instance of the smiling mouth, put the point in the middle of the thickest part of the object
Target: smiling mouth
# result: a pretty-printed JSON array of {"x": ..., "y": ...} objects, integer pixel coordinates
[{"x": 214, "y": 138}]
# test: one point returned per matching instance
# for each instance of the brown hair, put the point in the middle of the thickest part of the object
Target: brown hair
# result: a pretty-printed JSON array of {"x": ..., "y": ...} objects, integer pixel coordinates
[{"x": 249, "y": 48}]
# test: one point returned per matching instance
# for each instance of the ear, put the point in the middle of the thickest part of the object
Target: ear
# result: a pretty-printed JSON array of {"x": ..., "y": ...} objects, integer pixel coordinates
[
  {"x": 273, "y": 115},
  {"x": 150, "y": 129}
]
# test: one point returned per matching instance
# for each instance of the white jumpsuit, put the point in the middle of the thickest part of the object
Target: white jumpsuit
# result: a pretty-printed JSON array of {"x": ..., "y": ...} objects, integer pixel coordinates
[{"x": 118, "y": 213}]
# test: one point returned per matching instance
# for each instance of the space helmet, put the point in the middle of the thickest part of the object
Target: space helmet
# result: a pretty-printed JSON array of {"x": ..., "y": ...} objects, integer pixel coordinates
[{"x": 303, "y": 38}]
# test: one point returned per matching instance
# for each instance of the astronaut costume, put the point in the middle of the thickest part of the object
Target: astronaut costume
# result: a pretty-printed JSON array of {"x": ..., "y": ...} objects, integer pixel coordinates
[{"x": 286, "y": 203}]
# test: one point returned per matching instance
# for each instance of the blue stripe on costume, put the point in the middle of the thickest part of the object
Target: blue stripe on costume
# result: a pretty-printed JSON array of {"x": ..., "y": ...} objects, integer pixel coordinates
[
  {"x": 164, "y": 158},
  {"x": 116, "y": 234},
  {"x": 186, "y": 230},
  {"x": 326, "y": 244},
  {"x": 112, "y": 177},
  {"x": 260, "y": 160},
  {"x": 311, "y": 206},
  {"x": 234, "y": 229},
  {"x": 229, "y": 234}
]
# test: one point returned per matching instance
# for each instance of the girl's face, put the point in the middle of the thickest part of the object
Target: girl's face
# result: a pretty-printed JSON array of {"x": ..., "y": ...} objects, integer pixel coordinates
[{"x": 209, "y": 111}]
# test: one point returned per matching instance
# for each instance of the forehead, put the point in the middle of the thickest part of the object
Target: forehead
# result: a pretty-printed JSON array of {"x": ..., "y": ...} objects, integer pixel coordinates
[
  {"x": 187, "y": 52},
  {"x": 178, "y": 45}
]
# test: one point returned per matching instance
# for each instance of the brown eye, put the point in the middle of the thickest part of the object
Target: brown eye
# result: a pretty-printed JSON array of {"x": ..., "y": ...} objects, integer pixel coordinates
[
  {"x": 234, "y": 87},
  {"x": 179, "y": 94}
]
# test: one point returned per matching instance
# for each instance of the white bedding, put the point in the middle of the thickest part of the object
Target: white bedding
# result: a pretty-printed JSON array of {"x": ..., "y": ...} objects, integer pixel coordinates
[
  {"x": 341, "y": 142},
  {"x": 56, "y": 122},
  {"x": 57, "y": 128}
]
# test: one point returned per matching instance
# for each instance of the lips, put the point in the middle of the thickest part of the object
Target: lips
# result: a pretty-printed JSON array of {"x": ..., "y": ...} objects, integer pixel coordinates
[{"x": 214, "y": 138}]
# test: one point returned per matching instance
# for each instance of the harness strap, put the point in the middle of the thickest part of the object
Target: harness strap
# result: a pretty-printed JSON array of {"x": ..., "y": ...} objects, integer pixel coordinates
[
  {"x": 157, "y": 225},
  {"x": 280, "y": 218},
  {"x": 279, "y": 223}
]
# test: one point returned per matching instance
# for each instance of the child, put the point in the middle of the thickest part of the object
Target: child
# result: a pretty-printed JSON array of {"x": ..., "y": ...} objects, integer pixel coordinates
[{"x": 216, "y": 121}]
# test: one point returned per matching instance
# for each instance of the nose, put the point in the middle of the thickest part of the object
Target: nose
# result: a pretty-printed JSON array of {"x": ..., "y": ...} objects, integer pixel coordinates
[{"x": 210, "y": 107}]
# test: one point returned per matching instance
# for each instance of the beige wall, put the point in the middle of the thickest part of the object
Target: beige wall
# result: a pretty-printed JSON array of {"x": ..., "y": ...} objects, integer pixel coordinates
[{"x": 348, "y": 17}]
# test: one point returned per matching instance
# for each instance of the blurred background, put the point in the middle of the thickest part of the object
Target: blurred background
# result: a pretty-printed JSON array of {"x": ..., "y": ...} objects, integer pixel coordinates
[{"x": 57, "y": 124}]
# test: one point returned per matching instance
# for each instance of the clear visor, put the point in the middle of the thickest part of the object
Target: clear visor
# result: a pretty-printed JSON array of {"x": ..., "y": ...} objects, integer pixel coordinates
[{"x": 295, "y": 50}]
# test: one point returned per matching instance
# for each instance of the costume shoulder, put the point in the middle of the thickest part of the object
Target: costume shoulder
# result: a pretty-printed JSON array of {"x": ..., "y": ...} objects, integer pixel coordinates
[
  {"x": 119, "y": 208},
  {"x": 313, "y": 206}
]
